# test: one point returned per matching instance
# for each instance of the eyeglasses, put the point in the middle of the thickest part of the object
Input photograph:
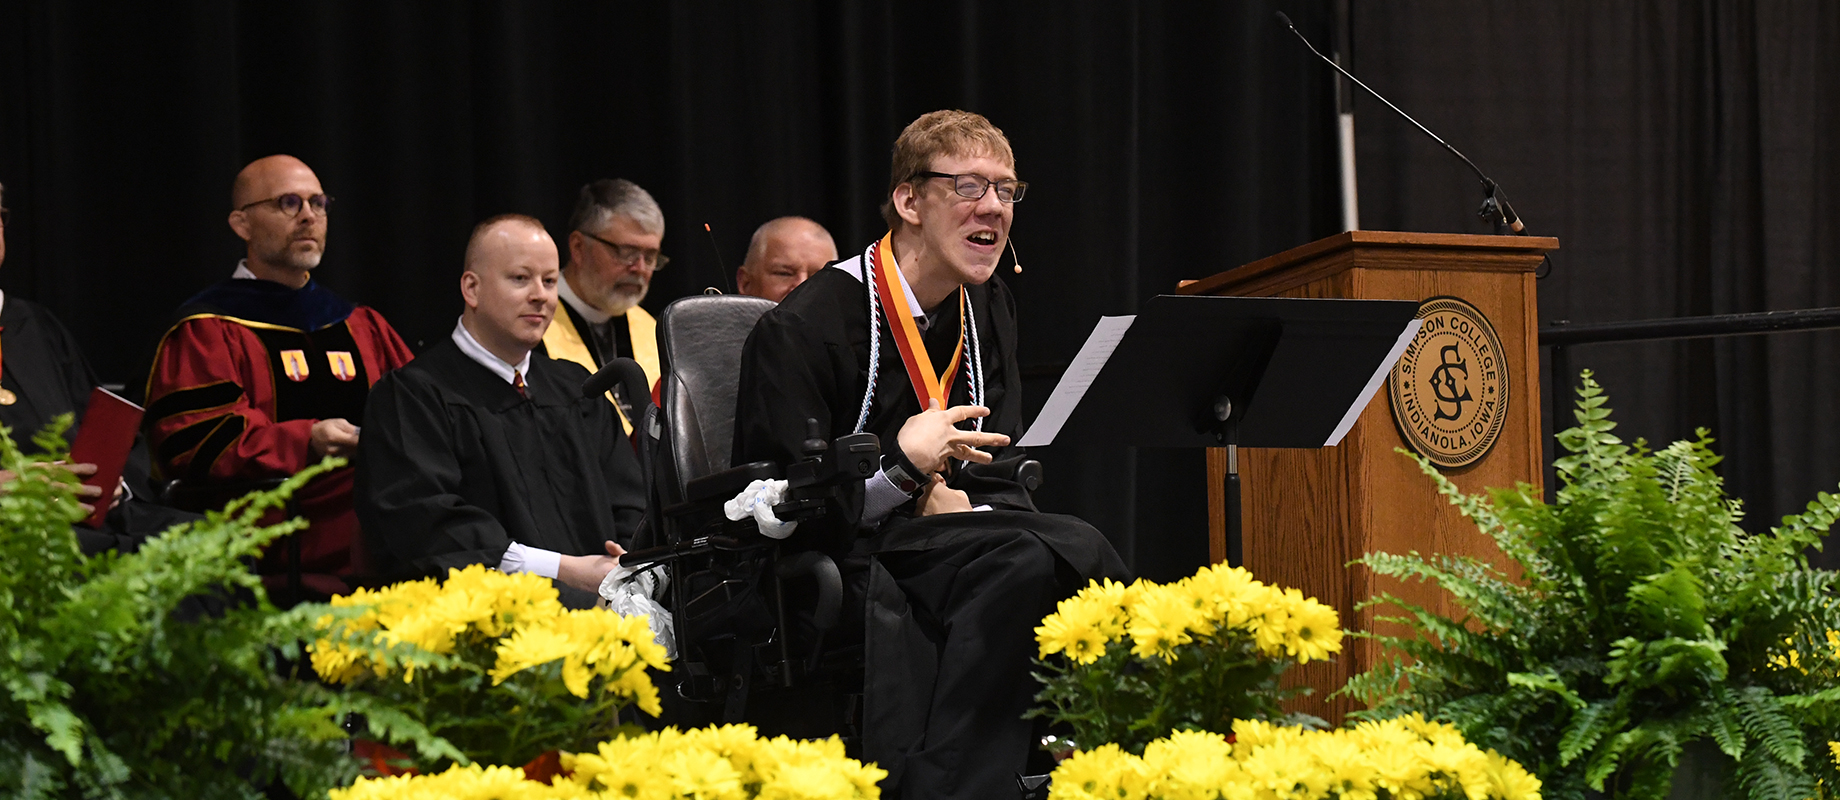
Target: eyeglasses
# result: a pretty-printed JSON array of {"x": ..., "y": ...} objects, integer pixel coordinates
[
  {"x": 290, "y": 204},
  {"x": 974, "y": 187},
  {"x": 631, "y": 256}
]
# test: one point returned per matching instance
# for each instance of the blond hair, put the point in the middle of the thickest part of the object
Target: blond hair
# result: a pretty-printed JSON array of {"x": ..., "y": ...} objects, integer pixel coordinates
[{"x": 937, "y": 134}]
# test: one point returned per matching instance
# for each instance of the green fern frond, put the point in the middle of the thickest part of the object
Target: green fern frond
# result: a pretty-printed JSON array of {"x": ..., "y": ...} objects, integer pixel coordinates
[
  {"x": 1763, "y": 776},
  {"x": 1587, "y": 726},
  {"x": 1607, "y": 757},
  {"x": 1547, "y": 682},
  {"x": 1769, "y": 725},
  {"x": 1724, "y": 723},
  {"x": 1670, "y": 604}
]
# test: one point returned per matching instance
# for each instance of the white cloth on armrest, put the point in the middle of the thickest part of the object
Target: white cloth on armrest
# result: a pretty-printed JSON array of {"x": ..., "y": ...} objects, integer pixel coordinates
[
  {"x": 628, "y": 593},
  {"x": 757, "y": 501}
]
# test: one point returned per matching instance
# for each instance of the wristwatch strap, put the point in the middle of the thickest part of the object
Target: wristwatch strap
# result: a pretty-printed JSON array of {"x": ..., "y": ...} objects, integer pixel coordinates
[{"x": 902, "y": 474}]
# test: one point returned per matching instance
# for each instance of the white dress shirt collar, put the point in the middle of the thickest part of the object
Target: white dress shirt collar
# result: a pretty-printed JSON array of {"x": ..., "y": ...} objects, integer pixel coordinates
[
  {"x": 593, "y": 315},
  {"x": 242, "y": 272},
  {"x": 854, "y": 268},
  {"x": 478, "y": 352}
]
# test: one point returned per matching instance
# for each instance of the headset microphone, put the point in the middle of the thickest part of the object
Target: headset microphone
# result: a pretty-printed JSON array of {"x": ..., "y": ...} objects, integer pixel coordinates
[{"x": 1013, "y": 257}]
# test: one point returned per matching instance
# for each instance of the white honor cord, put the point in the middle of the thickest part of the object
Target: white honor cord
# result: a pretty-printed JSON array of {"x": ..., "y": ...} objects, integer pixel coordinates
[
  {"x": 975, "y": 377},
  {"x": 875, "y": 340}
]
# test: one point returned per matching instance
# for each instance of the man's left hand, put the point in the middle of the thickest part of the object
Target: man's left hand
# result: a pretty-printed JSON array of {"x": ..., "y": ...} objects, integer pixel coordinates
[{"x": 587, "y": 572}]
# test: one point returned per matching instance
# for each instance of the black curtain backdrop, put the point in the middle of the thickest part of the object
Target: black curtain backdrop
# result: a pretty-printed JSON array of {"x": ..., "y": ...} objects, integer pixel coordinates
[
  {"x": 1163, "y": 141},
  {"x": 1684, "y": 154}
]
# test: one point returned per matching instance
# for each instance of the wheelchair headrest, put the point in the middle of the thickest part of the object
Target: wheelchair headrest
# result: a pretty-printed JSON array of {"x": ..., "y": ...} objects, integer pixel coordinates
[{"x": 699, "y": 351}]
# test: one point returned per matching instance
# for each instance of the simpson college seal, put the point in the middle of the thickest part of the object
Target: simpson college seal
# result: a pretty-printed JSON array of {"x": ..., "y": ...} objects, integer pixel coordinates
[{"x": 1449, "y": 390}]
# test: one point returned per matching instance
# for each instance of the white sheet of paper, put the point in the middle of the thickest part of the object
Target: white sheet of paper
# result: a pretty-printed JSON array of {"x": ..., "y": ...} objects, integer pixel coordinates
[
  {"x": 1373, "y": 383},
  {"x": 1077, "y": 379}
]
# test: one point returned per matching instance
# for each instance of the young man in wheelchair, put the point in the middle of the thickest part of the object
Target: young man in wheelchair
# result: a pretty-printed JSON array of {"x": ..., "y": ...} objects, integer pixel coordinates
[{"x": 947, "y": 564}]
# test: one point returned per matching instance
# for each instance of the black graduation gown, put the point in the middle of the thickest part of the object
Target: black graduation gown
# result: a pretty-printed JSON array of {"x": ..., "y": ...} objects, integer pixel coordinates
[
  {"x": 456, "y": 466},
  {"x": 41, "y": 363},
  {"x": 950, "y": 600}
]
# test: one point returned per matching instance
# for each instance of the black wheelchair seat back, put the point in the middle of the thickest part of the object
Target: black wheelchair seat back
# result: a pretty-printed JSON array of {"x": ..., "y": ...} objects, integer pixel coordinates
[
  {"x": 750, "y": 622},
  {"x": 699, "y": 350}
]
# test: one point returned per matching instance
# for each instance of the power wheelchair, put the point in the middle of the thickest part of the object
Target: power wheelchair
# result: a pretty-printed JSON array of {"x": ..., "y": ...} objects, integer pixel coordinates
[{"x": 757, "y": 626}]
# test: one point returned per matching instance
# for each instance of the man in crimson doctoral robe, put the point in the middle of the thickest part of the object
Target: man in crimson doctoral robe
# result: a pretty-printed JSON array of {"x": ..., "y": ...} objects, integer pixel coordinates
[
  {"x": 484, "y": 452},
  {"x": 914, "y": 340},
  {"x": 267, "y": 372}
]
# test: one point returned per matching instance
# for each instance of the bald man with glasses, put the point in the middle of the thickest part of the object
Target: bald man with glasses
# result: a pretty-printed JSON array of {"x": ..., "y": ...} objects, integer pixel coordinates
[
  {"x": 266, "y": 372},
  {"x": 614, "y": 236}
]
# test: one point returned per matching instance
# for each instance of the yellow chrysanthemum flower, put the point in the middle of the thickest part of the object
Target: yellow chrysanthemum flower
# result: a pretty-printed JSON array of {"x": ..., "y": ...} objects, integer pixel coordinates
[
  {"x": 1077, "y": 629},
  {"x": 1404, "y": 758},
  {"x": 1102, "y": 773},
  {"x": 1190, "y": 765},
  {"x": 530, "y": 647},
  {"x": 1509, "y": 781},
  {"x": 1162, "y": 618},
  {"x": 1313, "y": 631},
  {"x": 718, "y": 764},
  {"x": 336, "y": 663},
  {"x": 638, "y": 686},
  {"x": 701, "y": 774},
  {"x": 471, "y": 782}
]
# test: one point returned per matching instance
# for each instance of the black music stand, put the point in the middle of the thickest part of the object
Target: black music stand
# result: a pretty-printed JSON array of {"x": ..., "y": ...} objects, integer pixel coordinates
[{"x": 1205, "y": 371}]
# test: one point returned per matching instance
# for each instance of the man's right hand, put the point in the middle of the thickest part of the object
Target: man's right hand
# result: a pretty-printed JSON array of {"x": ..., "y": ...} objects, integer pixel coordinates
[
  {"x": 929, "y": 438},
  {"x": 84, "y": 491},
  {"x": 333, "y": 437}
]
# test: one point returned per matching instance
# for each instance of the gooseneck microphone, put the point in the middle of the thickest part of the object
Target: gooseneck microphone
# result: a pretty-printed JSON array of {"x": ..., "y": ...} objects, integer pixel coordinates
[
  {"x": 1495, "y": 208},
  {"x": 727, "y": 278}
]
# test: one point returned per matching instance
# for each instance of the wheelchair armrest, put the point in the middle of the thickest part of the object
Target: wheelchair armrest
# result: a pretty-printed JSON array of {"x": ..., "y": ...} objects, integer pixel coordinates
[
  {"x": 1028, "y": 473},
  {"x": 721, "y": 486},
  {"x": 824, "y": 573}
]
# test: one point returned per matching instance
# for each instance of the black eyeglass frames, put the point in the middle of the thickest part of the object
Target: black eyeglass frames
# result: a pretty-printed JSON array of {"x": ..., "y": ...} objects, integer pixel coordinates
[
  {"x": 972, "y": 186},
  {"x": 631, "y": 256},
  {"x": 290, "y": 204}
]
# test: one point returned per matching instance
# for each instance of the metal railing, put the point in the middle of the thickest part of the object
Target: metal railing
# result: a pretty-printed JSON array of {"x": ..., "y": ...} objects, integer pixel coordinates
[{"x": 1561, "y": 335}]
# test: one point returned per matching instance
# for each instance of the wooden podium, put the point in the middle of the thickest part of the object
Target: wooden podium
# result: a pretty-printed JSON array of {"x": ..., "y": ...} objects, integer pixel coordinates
[{"x": 1309, "y": 512}]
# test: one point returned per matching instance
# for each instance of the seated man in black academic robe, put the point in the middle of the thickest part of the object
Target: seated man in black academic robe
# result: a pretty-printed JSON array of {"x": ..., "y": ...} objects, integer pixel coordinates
[
  {"x": 43, "y": 375},
  {"x": 951, "y": 598},
  {"x": 483, "y": 452}
]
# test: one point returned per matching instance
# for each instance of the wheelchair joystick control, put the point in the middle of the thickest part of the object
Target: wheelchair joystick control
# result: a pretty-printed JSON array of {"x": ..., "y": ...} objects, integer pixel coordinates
[{"x": 814, "y": 444}]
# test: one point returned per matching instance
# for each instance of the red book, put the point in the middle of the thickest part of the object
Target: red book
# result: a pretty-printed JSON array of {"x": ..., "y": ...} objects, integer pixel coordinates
[{"x": 105, "y": 439}]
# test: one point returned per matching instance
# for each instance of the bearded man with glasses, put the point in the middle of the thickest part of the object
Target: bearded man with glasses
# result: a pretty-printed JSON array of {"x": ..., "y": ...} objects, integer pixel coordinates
[
  {"x": 949, "y": 563},
  {"x": 614, "y": 236},
  {"x": 266, "y": 372}
]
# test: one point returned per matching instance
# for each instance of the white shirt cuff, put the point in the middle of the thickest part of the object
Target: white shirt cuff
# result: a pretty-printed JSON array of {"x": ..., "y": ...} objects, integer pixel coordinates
[
  {"x": 880, "y": 498},
  {"x": 535, "y": 560}
]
